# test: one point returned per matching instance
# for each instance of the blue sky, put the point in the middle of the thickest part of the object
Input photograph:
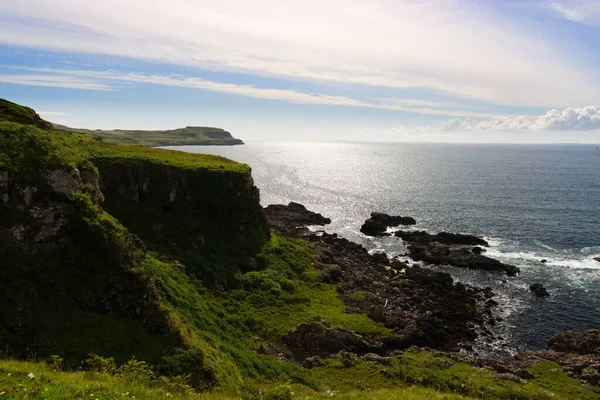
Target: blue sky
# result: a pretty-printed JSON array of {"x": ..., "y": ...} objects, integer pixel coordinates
[{"x": 380, "y": 70}]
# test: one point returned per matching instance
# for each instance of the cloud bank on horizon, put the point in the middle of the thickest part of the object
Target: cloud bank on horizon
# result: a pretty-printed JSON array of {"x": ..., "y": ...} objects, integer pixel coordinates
[
  {"x": 494, "y": 65},
  {"x": 570, "y": 119}
]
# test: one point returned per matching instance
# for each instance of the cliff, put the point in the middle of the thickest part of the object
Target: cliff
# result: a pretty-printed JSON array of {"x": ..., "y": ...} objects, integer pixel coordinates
[{"x": 76, "y": 280}]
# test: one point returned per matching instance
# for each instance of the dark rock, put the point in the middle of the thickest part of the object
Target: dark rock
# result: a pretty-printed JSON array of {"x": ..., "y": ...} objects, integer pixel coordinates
[
  {"x": 539, "y": 290},
  {"x": 422, "y": 307},
  {"x": 379, "y": 222},
  {"x": 544, "y": 261},
  {"x": 373, "y": 228},
  {"x": 477, "y": 250},
  {"x": 597, "y": 259},
  {"x": 330, "y": 273},
  {"x": 391, "y": 221},
  {"x": 375, "y": 358},
  {"x": 579, "y": 342},
  {"x": 316, "y": 339},
  {"x": 291, "y": 220},
  {"x": 448, "y": 248},
  {"x": 506, "y": 376},
  {"x": 312, "y": 362}
]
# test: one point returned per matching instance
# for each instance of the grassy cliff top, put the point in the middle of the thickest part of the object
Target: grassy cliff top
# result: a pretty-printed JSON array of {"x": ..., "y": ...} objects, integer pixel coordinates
[
  {"x": 13, "y": 112},
  {"x": 18, "y": 143},
  {"x": 191, "y": 135},
  {"x": 188, "y": 136}
]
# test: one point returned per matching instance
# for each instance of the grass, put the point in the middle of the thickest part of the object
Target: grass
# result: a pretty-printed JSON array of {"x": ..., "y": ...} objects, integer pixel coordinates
[
  {"x": 50, "y": 384},
  {"x": 189, "y": 136},
  {"x": 11, "y": 112}
]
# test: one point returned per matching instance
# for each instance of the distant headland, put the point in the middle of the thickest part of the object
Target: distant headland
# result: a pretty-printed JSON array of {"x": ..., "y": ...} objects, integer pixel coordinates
[{"x": 188, "y": 136}]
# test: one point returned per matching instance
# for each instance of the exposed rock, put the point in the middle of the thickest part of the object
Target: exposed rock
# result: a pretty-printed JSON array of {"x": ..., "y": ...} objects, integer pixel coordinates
[
  {"x": 27, "y": 194},
  {"x": 4, "y": 179},
  {"x": 583, "y": 367},
  {"x": 312, "y": 362},
  {"x": 421, "y": 306},
  {"x": 597, "y": 259},
  {"x": 65, "y": 182},
  {"x": 379, "y": 222},
  {"x": 442, "y": 237},
  {"x": 373, "y": 228},
  {"x": 448, "y": 248},
  {"x": 579, "y": 342},
  {"x": 317, "y": 339},
  {"x": 477, "y": 250},
  {"x": 539, "y": 290},
  {"x": 287, "y": 220},
  {"x": 376, "y": 358},
  {"x": 330, "y": 273},
  {"x": 90, "y": 177}
]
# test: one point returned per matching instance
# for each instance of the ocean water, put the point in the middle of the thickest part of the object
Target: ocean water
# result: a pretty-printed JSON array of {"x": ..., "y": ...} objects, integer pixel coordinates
[{"x": 531, "y": 202}]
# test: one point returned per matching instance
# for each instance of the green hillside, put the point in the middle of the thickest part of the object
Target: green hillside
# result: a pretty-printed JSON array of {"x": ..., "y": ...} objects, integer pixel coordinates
[{"x": 127, "y": 271}]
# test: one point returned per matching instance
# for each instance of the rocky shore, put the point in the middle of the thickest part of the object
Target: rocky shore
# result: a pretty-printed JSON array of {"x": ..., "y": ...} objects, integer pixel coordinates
[{"x": 420, "y": 306}]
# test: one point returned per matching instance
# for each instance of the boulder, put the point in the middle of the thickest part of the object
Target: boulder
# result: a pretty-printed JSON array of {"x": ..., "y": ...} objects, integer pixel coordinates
[
  {"x": 597, "y": 259},
  {"x": 539, "y": 290},
  {"x": 390, "y": 220},
  {"x": 477, "y": 250},
  {"x": 379, "y": 222},
  {"x": 372, "y": 227}
]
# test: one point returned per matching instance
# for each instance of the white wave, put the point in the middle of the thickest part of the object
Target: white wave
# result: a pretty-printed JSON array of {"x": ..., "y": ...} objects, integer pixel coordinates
[{"x": 523, "y": 258}]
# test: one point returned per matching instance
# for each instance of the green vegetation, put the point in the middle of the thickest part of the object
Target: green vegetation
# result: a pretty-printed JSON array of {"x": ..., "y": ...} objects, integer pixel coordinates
[
  {"x": 188, "y": 136},
  {"x": 11, "y": 112},
  {"x": 173, "y": 287}
]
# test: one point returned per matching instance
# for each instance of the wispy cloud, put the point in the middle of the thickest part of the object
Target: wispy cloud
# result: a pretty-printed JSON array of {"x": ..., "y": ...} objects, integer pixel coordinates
[
  {"x": 570, "y": 119},
  {"x": 81, "y": 79},
  {"x": 53, "y": 81},
  {"x": 455, "y": 47},
  {"x": 582, "y": 11}
]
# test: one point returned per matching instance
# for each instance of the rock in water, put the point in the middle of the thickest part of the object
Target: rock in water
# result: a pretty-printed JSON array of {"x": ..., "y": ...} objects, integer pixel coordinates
[
  {"x": 597, "y": 258},
  {"x": 539, "y": 290},
  {"x": 379, "y": 222}
]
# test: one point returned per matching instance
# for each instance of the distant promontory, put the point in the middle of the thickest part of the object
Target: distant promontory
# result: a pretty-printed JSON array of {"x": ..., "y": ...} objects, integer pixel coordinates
[{"x": 188, "y": 136}]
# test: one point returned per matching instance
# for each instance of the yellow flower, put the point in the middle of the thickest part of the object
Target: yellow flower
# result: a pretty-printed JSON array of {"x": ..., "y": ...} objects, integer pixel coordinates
[{"x": 9, "y": 374}]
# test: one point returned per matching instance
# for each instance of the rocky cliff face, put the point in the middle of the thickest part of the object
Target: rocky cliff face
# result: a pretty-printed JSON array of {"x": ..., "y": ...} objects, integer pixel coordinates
[
  {"x": 209, "y": 220},
  {"x": 70, "y": 273}
]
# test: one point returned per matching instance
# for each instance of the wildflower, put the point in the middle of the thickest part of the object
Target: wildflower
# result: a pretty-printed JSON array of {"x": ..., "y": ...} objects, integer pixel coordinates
[
  {"x": 9, "y": 374},
  {"x": 31, "y": 375},
  {"x": 91, "y": 394}
]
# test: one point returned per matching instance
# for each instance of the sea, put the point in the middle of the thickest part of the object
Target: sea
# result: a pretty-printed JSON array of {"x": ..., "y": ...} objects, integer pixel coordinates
[{"x": 530, "y": 202}]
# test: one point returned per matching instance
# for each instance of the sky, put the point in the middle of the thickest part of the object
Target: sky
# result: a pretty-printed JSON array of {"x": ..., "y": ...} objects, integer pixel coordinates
[{"x": 358, "y": 70}]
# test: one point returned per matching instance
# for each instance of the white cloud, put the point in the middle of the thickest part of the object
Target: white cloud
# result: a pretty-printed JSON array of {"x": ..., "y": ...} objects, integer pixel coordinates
[
  {"x": 452, "y": 46},
  {"x": 80, "y": 79},
  {"x": 582, "y": 11},
  {"x": 53, "y": 81},
  {"x": 570, "y": 119}
]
